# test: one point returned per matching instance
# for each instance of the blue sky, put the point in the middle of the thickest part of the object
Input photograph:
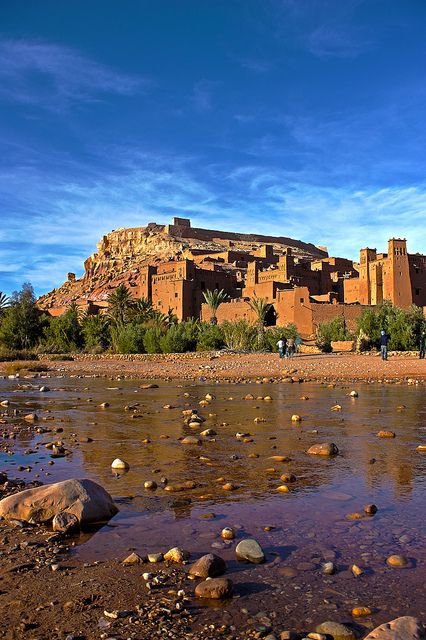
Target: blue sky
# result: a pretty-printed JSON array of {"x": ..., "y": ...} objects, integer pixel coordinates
[{"x": 304, "y": 118}]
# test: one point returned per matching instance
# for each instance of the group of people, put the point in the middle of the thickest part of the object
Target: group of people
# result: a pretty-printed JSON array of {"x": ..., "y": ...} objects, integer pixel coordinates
[{"x": 287, "y": 347}]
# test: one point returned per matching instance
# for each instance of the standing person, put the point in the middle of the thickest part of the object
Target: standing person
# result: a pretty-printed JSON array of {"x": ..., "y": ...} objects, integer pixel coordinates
[
  {"x": 384, "y": 340},
  {"x": 422, "y": 345},
  {"x": 290, "y": 348},
  {"x": 298, "y": 341},
  {"x": 281, "y": 346}
]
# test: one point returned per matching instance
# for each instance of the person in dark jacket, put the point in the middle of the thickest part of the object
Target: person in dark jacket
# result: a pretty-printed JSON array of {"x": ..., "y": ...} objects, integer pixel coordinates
[
  {"x": 384, "y": 340},
  {"x": 422, "y": 345}
]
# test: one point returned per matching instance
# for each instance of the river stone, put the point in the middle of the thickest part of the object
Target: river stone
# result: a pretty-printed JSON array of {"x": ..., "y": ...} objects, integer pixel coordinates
[
  {"x": 208, "y": 566},
  {"x": 323, "y": 449},
  {"x": 65, "y": 522},
  {"x": 249, "y": 550},
  {"x": 119, "y": 464},
  {"x": 336, "y": 630},
  {"x": 396, "y": 560},
  {"x": 214, "y": 588},
  {"x": 191, "y": 440},
  {"x": 84, "y": 498},
  {"x": 177, "y": 555},
  {"x": 404, "y": 628},
  {"x": 133, "y": 558}
]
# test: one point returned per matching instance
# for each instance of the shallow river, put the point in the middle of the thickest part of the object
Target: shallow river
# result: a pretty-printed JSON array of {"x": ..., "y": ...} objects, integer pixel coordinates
[{"x": 309, "y": 525}]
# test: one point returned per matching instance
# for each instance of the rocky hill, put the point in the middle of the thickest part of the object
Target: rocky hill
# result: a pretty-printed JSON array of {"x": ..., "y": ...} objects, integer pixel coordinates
[{"x": 121, "y": 253}]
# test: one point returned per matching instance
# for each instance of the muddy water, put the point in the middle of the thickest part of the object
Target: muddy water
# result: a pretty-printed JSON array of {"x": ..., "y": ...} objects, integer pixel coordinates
[{"x": 309, "y": 525}]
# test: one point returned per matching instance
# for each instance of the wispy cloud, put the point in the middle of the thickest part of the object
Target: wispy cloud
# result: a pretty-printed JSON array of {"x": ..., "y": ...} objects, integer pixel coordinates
[
  {"x": 56, "y": 220},
  {"x": 202, "y": 95},
  {"x": 50, "y": 75},
  {"x": 339, "y": 41}
]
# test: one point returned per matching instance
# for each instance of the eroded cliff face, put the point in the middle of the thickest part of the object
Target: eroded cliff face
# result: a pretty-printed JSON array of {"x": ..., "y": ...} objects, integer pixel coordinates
[{"x": 122, "y": 254}]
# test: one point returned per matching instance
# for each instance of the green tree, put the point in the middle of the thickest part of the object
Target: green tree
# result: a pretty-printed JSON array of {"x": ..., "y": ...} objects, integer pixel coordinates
[
  {"x": 214, "y": 299},
  {"x": 260, "y": 307},
  {"x": 95, "y": 330},
  {"x": 63, "y": 333},
  {"x": 22, "y": 323},
  {"x": 333, "y": 330},
  {"x": 143, "y": 309},
  {"x": 120, "y": 304}
]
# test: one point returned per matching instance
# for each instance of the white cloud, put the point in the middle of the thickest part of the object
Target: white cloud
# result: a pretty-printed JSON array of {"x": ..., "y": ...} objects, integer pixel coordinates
[{"x": 53, "y": 76}]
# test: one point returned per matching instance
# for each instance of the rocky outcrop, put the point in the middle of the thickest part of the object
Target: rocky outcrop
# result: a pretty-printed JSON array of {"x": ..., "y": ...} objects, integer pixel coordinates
[{"x": 88, "y": 501}]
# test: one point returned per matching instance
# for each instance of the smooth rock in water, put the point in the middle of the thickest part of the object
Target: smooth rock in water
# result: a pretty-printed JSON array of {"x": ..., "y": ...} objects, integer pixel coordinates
[
  {"x": 288, "y": 477},
  {"x": 356, "y": 570},
  {"x": 149, "y": 386},
  {"x": 371, "y": 509},
  {"x": 361, "y": 612},
  {"x": 192, "y": 440},
  {"x": 394, "y": 560},
  {"x": 177, "y": 555},
  {"x": 296, "y": 418},
  {"x": 421, "y": 447},
  {"x": 336, "y": 630},
  {"x": 403, "y": 628},
  {"x": 328, "y": 568},
  {"x": 104, "y": 405},
  {"x": 208, "y": 566},
  {"x": 316, "y": 636},
  {"x": 119, "y": 464},
  {"x": 249, "y": 550},
  {"x": 283, "y": 488},
  {"x": 229, "y": 486},
  {"x": 227, "y": 533},
  {"x": 44, "y": 389},
  {"x": 385, "y": 434},
  {"x": 31, "y": 417},
  {"x": 133, "y": 558},
  {"x": 65, "y": 522},
  {"x": 5, "y": 403},
  {"x": 84, "y": 498},
  {"x": 215, "y": 589},
  {"x": 354, "y": 394},
  {"x": 150, "y": 484},
  {"x": 208, "y": 432},
  {"x": 323, "y": 449}
]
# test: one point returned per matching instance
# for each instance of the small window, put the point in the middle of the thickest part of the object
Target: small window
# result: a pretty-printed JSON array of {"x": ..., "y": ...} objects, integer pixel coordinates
[
  {"x": 203, "y": 286},
  {"x": 302, "y": 300},
  {"x": 176, "y": 294},
  {"x": 417, "y": 292}
]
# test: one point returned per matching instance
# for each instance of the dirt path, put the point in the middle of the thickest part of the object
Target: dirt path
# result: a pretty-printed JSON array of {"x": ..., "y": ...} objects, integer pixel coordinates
[{"x": 239, "y": 367}]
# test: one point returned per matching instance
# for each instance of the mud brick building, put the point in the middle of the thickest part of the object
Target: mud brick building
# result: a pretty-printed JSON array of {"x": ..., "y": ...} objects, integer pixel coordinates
[{"x": 173, "y": 265}]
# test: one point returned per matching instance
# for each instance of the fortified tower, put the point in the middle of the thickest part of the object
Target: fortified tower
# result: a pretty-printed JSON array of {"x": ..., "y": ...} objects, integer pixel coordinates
[
  {"x": 396, "y": 276},
  {"x": 366, "y": 258}
]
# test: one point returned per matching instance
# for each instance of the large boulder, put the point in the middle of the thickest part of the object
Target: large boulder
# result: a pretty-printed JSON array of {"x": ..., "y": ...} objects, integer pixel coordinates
[
  {"x": 88, "y": 501},
  {"x": 404, "y": 628}
]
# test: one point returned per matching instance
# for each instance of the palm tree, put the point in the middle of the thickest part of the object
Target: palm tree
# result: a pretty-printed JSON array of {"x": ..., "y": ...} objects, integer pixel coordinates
[
  {"x": 143, "y": 309},
  {"x": 4, "y": 302},
  {"x": 213, "y": 300},
  {"x": 260, "y": 307},
  {"x": 120, "y": 303}
]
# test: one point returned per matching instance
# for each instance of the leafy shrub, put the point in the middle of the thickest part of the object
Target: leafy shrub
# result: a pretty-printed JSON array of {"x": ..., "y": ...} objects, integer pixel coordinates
[
  {"x": 63, "y": 333},
  {"x": 210, "y": 337},
  {"x": 175, "y": 340},
  {"x": 328, "y": 332},
  {"x": 10, "y": 355},
  {"x": 402, "y": 325},
  {"x": 128, "y": 338},
  {"x": 22, "y": 322},
  {"x": 151, "y": 340},
  {"x": 240, "y": 335},
  {"x": 96, "y": 333}
]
